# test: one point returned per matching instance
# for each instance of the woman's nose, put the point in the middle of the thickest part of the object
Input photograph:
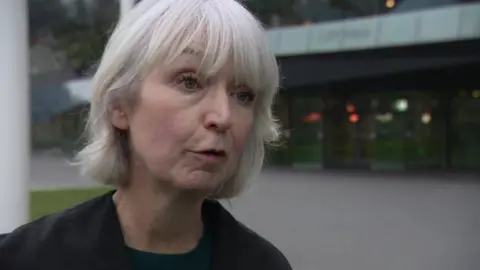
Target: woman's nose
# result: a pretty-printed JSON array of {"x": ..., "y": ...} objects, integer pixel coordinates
[{"x": 219, "y": 113}]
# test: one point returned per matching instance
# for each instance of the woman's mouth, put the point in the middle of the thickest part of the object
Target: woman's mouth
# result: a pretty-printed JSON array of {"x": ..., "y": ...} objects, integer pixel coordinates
[{"x": 211, "y": 155}]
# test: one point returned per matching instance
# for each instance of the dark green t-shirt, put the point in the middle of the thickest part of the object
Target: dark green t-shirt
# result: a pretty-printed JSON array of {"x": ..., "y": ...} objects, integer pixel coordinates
[{"x": 197, "y": 259}]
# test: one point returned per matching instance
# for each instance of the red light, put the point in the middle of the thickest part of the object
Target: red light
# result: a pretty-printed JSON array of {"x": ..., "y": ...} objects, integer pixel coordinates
[
  {"x": 350, "y": 108},
  {"x": 354, "y": 118},
  {"x": 312, "y": 117}
]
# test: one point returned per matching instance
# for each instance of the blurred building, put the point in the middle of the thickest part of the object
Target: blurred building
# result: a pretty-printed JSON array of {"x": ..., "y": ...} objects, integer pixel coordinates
[
  {"x": 371, "y": 84},
  {"x": 380, "y": 84},
  {"x": 59, "y": 113},
  {"x": 66, "y": 40}
]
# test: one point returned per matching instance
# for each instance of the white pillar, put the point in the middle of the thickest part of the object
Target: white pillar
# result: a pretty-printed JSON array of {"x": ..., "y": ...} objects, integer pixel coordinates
[
  {"x": 15, "y": 115},
  {"x": 126, "y": 6}
]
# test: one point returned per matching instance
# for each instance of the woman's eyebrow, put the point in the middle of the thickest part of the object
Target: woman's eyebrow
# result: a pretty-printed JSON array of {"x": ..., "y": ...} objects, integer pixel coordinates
[{"x": 191, "y": 51}]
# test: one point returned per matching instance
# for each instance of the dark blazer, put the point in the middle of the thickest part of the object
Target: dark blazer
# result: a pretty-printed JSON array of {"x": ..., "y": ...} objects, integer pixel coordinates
[{"x": 89, "y": 236}]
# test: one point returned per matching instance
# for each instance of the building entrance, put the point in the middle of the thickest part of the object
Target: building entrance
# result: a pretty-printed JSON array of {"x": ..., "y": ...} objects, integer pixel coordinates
[
  {"x": 306, "y": 134},
  {"x": 348, "y": 129}
]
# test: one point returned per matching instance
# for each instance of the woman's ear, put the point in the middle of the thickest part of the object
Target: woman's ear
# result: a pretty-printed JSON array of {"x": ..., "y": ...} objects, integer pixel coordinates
[{"x": 119, "y": 118}]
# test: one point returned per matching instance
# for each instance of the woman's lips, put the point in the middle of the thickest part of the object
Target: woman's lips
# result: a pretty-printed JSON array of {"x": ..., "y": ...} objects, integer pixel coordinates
[{"x": 211, "y": 156}]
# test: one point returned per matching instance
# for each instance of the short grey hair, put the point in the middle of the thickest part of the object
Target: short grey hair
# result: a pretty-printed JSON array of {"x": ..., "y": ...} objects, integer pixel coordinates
[{"x": 158, "y": 31}]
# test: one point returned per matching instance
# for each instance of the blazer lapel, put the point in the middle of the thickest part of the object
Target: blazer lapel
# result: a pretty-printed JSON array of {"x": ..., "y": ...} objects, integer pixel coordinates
[
  {"x": 109, "y": 243},
  {"x": 225, "y": 237}
]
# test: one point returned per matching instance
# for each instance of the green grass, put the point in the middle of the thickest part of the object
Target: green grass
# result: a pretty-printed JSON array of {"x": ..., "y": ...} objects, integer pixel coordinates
[{"x": 47, "y": 202}]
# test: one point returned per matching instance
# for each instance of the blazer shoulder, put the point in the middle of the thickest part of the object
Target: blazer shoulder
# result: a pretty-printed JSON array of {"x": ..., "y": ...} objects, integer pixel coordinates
[
  {"x": 45, "y": 236},
  {"x": 23, "y": 247},
  {"x": 3, "y": 236},
  {"x": 266, "y": 254},
  {"x": 245, "y": 248},
  {"x": 53, "y": 224}
]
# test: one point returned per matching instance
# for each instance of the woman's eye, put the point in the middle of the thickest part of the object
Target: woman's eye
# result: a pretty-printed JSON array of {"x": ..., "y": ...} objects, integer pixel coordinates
[
  {"x": 189, "y": 82},
  {"x": 245, "y": 97}
]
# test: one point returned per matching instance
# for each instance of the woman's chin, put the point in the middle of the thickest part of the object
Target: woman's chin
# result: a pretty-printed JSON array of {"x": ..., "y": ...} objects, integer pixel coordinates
[{"x": 203, "y": 182}]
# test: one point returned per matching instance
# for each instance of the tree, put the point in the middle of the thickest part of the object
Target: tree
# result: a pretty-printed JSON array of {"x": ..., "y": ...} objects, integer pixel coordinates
[
  {"x": 43, "y": 15},
  {"x": 83, "y": 37}
]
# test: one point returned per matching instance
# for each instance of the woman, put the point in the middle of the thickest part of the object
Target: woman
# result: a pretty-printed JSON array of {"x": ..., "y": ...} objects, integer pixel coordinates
[{"x": 180, "y": 113}]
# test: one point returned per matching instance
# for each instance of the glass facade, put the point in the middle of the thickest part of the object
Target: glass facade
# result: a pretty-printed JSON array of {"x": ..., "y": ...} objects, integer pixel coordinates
[
  {"x": 409, "y": 130},
  {"x": 275, "y": 13},
  {"x": 306, "y": 134},
  {"x": 384, "y": 130},
  {"x": 352, "y": 129},
  {"x": 466, "y": 127}
]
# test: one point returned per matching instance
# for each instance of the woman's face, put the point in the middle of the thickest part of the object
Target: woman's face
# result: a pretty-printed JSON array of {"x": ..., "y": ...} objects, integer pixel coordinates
[{"x": 188, "y": 131}]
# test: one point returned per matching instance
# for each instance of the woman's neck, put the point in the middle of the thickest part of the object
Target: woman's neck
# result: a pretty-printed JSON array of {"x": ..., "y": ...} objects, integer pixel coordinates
[{"x": 159, "y": 221}]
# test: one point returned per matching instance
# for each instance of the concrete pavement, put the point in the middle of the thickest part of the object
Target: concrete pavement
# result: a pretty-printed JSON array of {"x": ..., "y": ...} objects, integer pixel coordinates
[
  {"x": 55, "y": 172},
  {"x": 342, "y": 221},
  {"x": 354, "y": 221}
]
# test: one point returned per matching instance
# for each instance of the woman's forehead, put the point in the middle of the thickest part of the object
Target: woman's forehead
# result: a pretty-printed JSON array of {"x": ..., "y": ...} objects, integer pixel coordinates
[
  {"x": 197, "y": 58},
  {"x": 189, "y": 55},
  {"x": 209, "y": 55}
]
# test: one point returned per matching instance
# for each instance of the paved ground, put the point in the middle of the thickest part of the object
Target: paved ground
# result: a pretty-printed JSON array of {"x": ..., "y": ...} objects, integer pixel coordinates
[
  {"x": 358, "y": 221},
  {"x": 55, "y": 172}
]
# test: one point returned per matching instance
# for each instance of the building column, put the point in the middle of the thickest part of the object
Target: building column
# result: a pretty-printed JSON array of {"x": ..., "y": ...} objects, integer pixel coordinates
[{"x": 15, "y": 116}]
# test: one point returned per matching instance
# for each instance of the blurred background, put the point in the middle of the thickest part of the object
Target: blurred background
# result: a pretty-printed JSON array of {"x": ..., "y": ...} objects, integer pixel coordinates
[
  {"x": 372, "y": 84},
  {"x": 380, "y": 111}
]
